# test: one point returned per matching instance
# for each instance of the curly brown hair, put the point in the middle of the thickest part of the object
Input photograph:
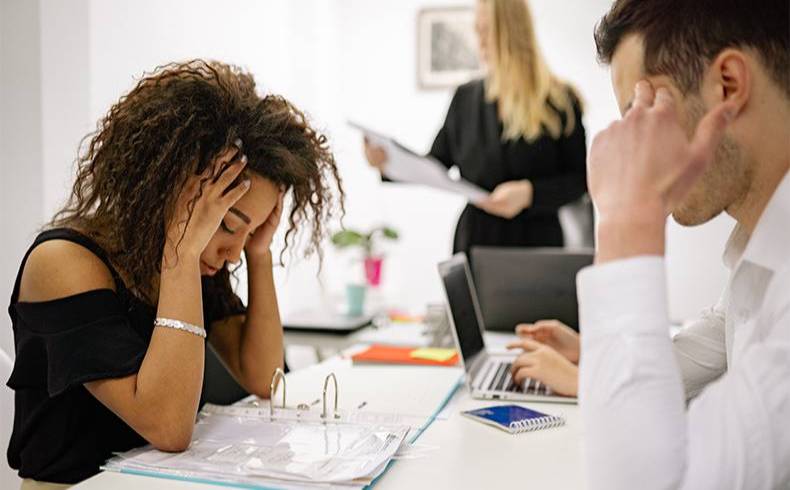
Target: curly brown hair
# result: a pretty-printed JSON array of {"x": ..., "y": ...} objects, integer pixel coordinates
[{"x": 171, "y": 126}]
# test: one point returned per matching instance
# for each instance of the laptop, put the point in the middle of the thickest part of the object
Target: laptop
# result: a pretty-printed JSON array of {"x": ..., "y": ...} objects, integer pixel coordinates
[
  {"x": 487, "y": 374},
  {"x": 524, "y": 285}
]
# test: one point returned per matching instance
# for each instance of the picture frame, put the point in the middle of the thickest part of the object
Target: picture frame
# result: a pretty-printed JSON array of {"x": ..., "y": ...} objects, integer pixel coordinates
[{"x": 447, "y": 52}]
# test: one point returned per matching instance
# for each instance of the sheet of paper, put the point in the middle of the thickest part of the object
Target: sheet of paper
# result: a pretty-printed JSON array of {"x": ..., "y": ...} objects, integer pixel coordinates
[{"x": 404, "y": 165}]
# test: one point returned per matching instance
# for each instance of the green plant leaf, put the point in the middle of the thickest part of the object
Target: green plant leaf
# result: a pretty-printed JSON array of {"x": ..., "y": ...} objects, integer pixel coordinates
[
  {"x": 390, "y": 233},
  {"x": 348, "y": 238}
]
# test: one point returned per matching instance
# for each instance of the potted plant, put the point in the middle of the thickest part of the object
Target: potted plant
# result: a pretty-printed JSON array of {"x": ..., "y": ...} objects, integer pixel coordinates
[{"x": 367, "y": 242}]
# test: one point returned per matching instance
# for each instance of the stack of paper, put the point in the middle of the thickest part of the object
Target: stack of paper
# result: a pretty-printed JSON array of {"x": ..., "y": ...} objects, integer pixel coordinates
[{"x": 281, "y": 453}]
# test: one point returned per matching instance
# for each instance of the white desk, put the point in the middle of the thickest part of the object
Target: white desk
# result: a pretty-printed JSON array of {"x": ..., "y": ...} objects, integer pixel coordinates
[{"x": 466, "y": 454}]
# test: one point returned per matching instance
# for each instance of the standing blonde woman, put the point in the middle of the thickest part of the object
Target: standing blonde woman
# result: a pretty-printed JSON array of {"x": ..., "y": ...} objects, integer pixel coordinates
[{"x": 517, "y": 133}]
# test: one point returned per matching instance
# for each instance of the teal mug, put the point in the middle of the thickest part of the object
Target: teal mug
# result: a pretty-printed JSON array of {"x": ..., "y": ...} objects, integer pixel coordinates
[{"x": 355, "y": 299}]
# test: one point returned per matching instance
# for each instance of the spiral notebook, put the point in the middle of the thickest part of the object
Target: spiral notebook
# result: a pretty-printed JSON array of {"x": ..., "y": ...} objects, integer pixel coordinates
[{"x": 514, "y": 418}]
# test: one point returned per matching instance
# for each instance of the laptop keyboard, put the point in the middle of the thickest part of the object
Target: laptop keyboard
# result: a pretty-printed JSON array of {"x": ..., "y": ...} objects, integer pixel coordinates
[{"x": 502, "y": 381}]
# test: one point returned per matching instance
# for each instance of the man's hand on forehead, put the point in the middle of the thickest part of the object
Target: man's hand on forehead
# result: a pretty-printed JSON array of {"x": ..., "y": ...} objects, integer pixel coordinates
[{"x": 641, "y": 166}]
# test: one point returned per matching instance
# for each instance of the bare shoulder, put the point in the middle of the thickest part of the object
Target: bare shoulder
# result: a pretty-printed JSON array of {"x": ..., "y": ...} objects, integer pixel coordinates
[{"x": 60, "y": 268}]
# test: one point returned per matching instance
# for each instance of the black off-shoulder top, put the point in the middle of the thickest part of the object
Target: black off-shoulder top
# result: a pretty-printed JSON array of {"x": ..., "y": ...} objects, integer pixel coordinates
[{"x": 61, "y": 433}]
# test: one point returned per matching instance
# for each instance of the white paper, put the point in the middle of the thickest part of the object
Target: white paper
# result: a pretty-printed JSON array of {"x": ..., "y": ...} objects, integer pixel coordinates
[{"x": 406, "y": 166}]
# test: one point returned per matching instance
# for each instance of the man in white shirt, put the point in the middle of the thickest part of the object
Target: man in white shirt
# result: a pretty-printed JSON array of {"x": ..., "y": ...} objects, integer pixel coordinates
[
  {"x": 729, "y": 58},
  {"x": 705, "y": 130}
]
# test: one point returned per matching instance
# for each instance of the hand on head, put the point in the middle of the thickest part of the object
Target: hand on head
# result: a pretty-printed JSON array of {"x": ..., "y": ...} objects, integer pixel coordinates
[
  {"x": 261, "y": 240},
  {"x": 204, "y": 201},
  {"x": 642, "y": 166}
]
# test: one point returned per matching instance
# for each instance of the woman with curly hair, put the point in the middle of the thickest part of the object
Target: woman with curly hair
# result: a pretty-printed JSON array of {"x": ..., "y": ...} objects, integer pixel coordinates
[{"x": 113, "y": 301}]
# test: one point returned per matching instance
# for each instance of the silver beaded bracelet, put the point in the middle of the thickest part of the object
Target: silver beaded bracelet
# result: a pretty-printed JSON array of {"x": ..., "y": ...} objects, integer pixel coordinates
[{"x": 179, "y": 325}]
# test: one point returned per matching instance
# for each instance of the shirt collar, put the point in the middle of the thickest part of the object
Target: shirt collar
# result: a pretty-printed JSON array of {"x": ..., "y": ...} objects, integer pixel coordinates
[{"x": 768, "y": 244}]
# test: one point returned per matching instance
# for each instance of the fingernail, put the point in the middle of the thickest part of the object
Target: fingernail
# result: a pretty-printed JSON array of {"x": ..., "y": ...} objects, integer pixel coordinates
[
  {"x": 245, "y": 183},
  {"x": 238, "y": 143},
  {"x": 244, "y": 159}
]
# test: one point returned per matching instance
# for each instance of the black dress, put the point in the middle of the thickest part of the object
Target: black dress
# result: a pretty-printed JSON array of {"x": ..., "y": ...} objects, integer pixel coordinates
[
  {"x": 61, "y": 433},
  {"x": 471, "y": 139}
]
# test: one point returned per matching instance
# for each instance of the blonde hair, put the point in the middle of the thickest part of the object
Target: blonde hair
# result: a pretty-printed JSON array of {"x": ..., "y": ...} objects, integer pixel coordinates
[{"x": 530, "y": 98}]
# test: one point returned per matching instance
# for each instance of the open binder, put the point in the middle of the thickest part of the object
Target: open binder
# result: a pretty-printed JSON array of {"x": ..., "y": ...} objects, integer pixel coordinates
[{"x": 257, "y": 446}]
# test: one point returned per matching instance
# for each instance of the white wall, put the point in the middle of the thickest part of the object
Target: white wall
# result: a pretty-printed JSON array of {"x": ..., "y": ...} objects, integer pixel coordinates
[
  {"x": 20, "y": 171},
  {"x": 65, "y": 94},
  {"x": 21, "y": 176}
]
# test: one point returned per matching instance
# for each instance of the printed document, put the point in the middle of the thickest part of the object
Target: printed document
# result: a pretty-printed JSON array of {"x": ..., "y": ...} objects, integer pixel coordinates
[{"x": 403, "y": 165}]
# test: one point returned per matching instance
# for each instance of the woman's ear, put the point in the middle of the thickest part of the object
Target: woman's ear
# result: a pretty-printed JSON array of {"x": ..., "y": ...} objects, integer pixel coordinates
[{"x": 729, "y": 78}]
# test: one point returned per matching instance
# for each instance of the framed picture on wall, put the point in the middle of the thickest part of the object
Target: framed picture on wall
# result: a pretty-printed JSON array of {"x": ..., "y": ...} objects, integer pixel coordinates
[{"x": 447, "y": 53}]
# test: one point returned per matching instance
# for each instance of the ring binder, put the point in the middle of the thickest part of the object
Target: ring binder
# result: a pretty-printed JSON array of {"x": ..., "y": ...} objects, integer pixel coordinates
[
  {"x": 251, "y": 445},
  {"x": 326, "y": 383},
  {"x": 279, "y": 446},
  {"x": 278, "y": 375}
]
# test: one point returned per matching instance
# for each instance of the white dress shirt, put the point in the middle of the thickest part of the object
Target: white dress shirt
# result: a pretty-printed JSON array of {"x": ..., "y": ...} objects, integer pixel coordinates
[{"x": 734, "y": 362}]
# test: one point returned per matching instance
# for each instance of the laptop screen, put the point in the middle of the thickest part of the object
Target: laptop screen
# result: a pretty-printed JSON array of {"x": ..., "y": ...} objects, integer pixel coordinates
[{"x": 463, "y": 307}]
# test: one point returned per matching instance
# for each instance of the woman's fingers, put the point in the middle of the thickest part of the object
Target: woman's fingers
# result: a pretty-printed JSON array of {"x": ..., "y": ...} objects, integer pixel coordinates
[
  {"x": 229, "y": 175},
  {"x": 233, "y": 195},
  {"x": 229, "y": 154},
  {"x": 222, "y": 160},
  {"x": 526, "y": 344},
  {"x": 519, "y": 375},
  {"x": 522, "y": 361},
  {"x": 541, "y": 331},
  {"x": 529, "y": 328},
  {"x": 274, "y": 218}
]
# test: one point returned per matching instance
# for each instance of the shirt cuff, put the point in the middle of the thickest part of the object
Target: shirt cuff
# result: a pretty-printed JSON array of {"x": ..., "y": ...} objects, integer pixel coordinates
[{"x": 626, "y": 295}]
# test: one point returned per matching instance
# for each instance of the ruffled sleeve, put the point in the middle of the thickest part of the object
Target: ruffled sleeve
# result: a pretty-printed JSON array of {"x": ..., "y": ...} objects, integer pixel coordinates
[{"x": 69, "y": 341}]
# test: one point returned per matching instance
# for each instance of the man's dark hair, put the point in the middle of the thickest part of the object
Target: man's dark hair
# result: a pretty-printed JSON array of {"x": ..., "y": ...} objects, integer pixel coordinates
[{"x": 682, "y": 36}]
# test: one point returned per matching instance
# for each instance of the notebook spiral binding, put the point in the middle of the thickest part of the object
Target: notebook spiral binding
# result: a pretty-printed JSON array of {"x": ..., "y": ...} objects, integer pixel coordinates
[{"x": 529, "y": 425}]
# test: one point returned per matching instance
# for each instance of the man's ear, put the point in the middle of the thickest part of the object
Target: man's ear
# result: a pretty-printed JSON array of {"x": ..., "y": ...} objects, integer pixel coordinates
[{"x": 729, "y": 78}]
